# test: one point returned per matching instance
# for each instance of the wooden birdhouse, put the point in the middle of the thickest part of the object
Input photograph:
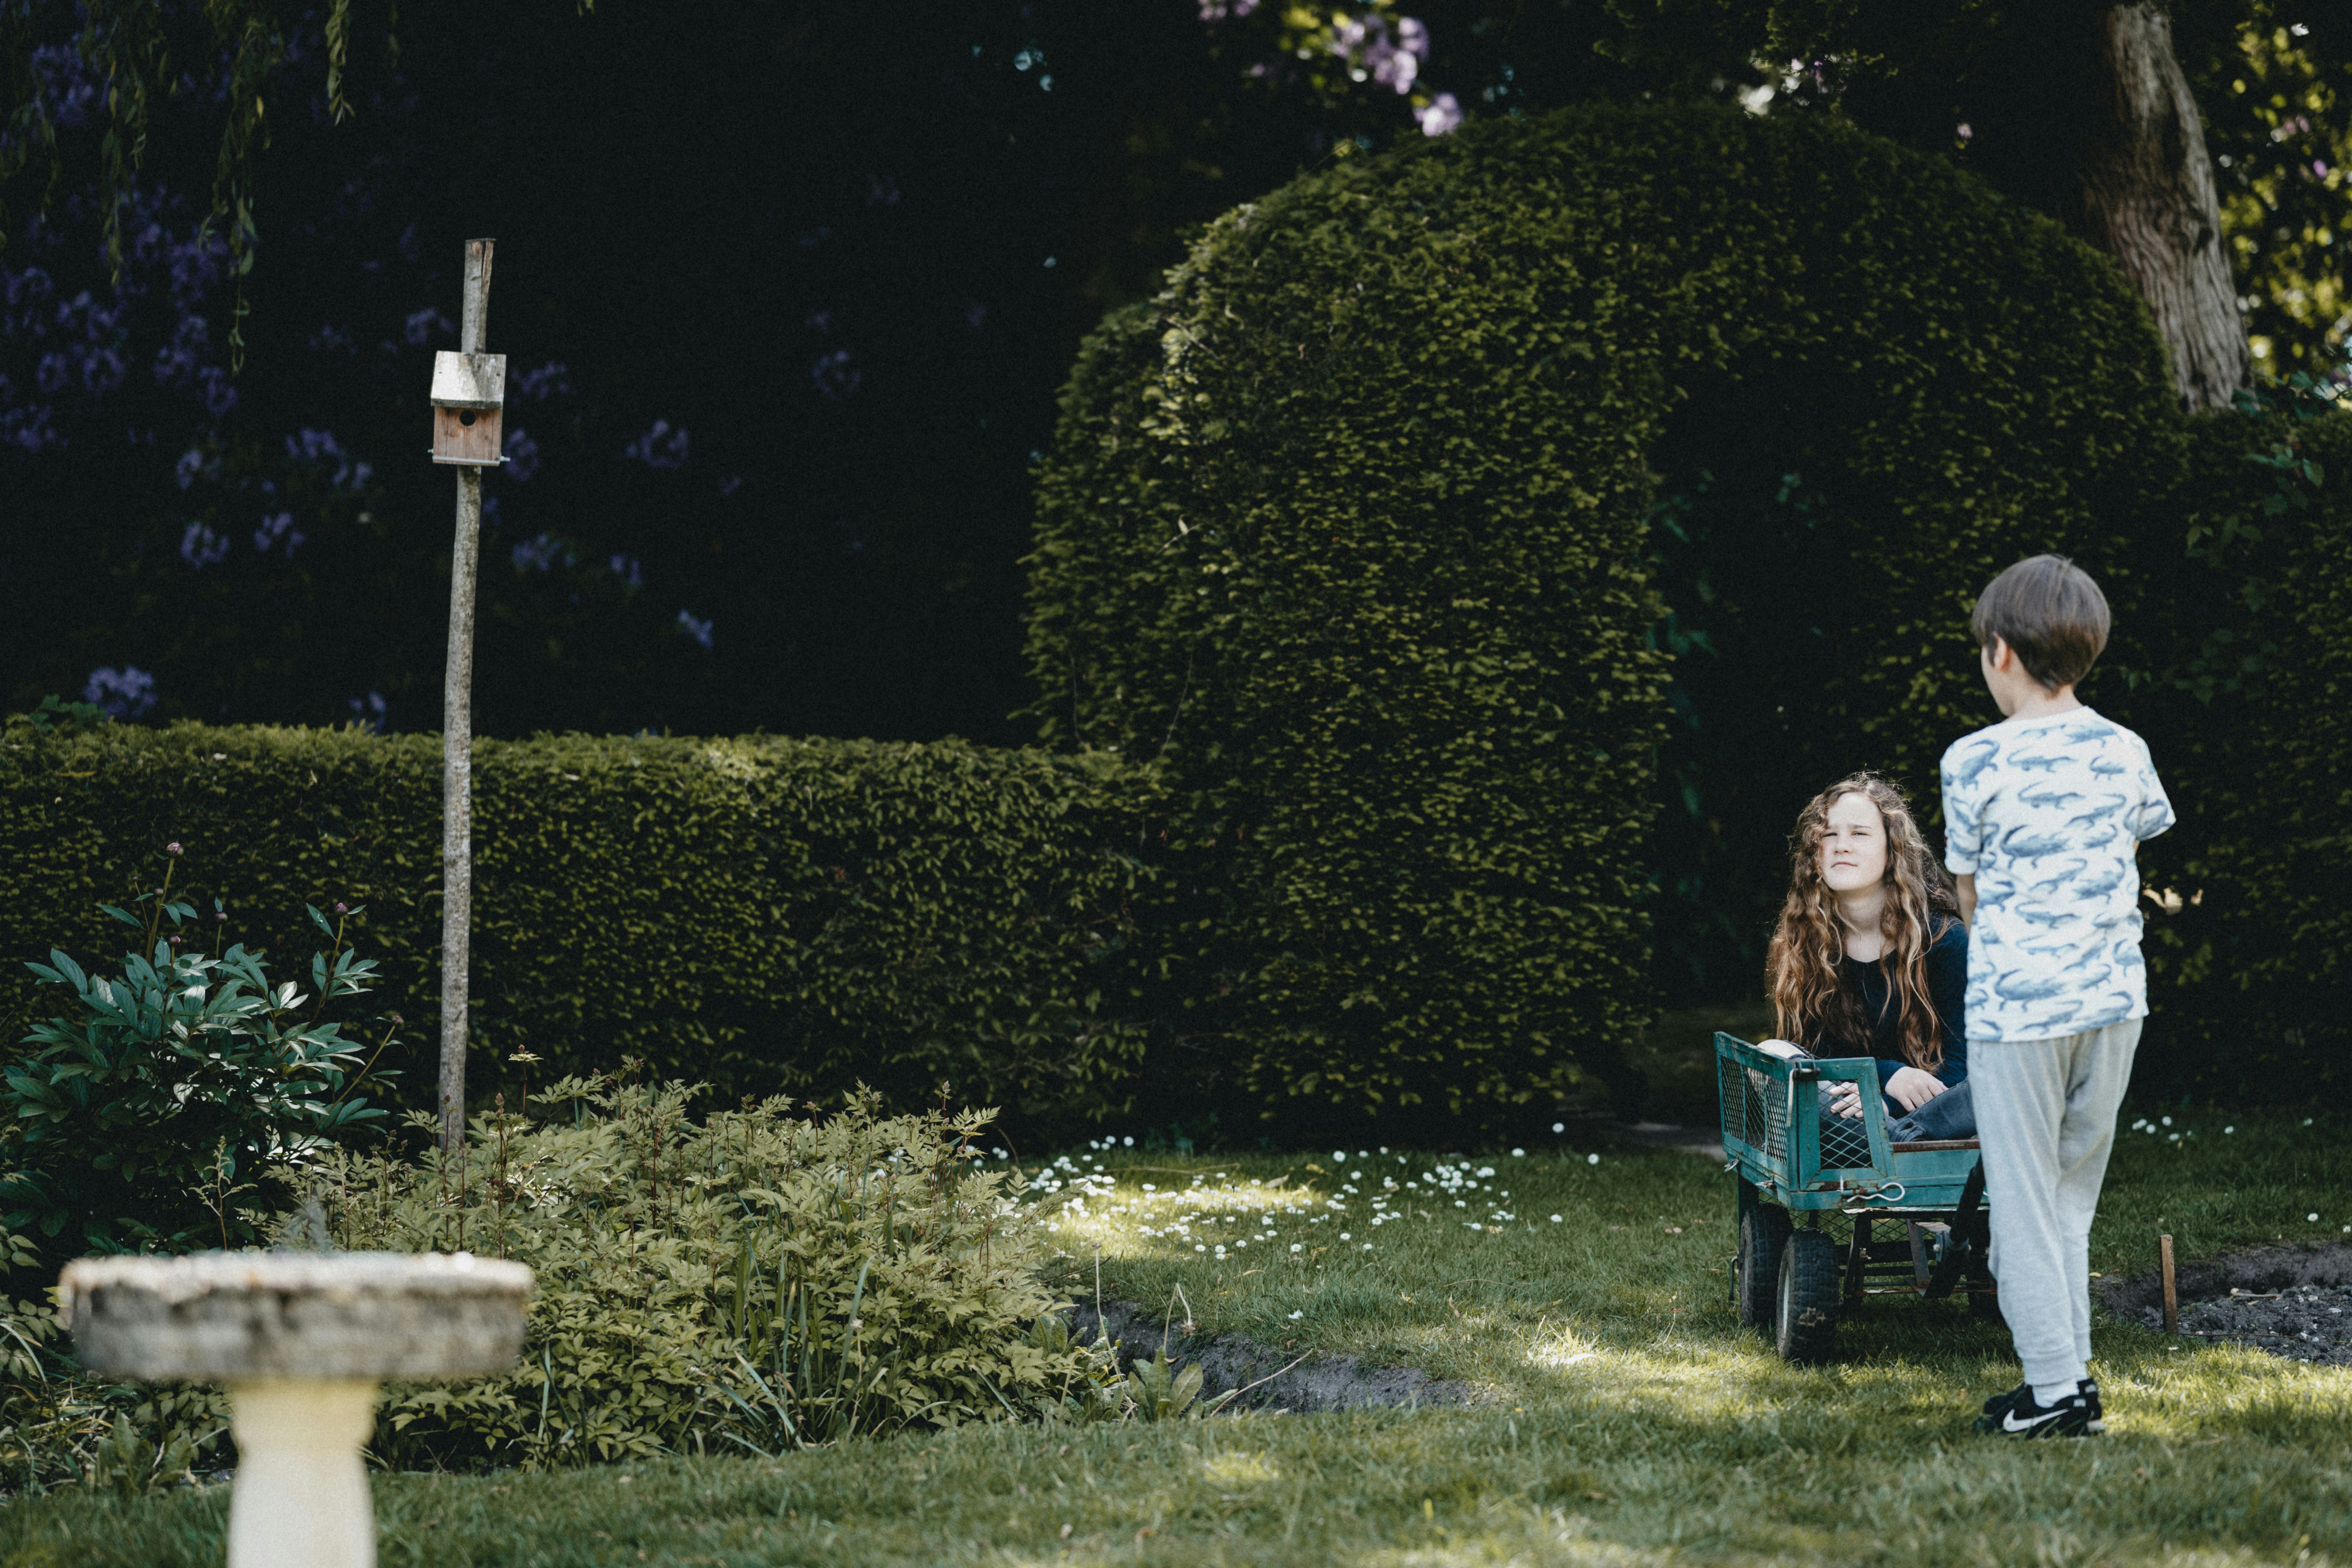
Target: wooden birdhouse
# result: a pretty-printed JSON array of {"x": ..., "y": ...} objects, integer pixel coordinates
[{"x": 470, "y": 394}]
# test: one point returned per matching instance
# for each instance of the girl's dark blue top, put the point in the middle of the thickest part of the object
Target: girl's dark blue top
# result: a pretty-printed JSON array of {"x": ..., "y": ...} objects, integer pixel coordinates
[{"x": 1947, "y": 987}]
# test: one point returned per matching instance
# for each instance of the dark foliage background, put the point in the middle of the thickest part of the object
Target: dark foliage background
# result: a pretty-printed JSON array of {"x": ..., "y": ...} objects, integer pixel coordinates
[
  {"x": 785, "y": 294},
  {"x": 788, "y": 292}
]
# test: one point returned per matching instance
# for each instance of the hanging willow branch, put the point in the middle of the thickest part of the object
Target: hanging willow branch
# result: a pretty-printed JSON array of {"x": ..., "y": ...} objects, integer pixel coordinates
[{"x": 140, "y": 50}]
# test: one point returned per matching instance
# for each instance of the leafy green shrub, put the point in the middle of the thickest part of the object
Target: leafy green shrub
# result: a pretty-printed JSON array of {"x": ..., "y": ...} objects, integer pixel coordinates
[
  {"x": 1350, "y": 530},
  {"x": 750, "y": 1280},
  {"x": 60, "y": 1425},
  {"x": 2247, "y": 703},
  {"x": 762, "y": 914},
  {"x": 148, "y": 1121}
]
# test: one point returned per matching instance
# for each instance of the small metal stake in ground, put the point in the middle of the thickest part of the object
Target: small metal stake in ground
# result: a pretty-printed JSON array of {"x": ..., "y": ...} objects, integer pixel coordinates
[
  {"x": 468, "y": 398},
  {"x": 2171, "y": 1291},
  {"x": 302, "y": 1340}
]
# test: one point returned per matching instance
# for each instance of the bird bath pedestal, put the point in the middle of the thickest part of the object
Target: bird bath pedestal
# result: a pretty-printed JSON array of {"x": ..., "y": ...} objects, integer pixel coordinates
[{"x": 302, "y": 1340}]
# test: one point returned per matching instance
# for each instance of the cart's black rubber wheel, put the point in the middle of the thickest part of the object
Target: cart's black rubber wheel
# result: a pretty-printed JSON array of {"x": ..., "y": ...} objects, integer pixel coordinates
[
  {"x": 1756, "y": 1272},
  {"x": 1804, "y": 1318}
]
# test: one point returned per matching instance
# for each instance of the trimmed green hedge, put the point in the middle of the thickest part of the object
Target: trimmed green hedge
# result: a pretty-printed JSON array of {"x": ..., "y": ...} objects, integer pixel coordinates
[
  {"x": 1350, "y": 529},
  {"x": 765, "y": 914}
]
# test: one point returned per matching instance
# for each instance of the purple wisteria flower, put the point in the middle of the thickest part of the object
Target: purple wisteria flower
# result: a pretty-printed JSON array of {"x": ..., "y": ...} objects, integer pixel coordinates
[
  {"x": 369, "y": 710},
  {"x": 659, "y": 448},
  {"x": 220, "y": 397},
  {"x": 319, "y": 446},
  {"x": 543, "y": 552},
  {"x": 196, "y": 265},
  {"x": 176, "y": 361},
  {"x": 200, "y": 547},
  {"x": 552, "y": 379},
  {"x": 835, "y": 375},
  {"x": 1443, "y": 115},
  {"x": 72, "y": 97},
  {"x": 1218, "y": 10},
  {"x": 24, "y": 302},
  {"x": 125, "y": 693},
  {"x": 521, "y": 454},
  {"x": 628, "y": 569},
  {"x": 275, "y": 528},
  {"x": 423, "y": 326},
  {"x": 31, "y": 427},
  {"x": 694, "y": 627}
]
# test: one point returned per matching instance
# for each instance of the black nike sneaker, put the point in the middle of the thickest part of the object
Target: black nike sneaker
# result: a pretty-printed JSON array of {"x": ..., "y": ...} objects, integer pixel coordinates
[
  {"x": 1999, "y": 1402},
  {"x": 2018, "y": 1414}
]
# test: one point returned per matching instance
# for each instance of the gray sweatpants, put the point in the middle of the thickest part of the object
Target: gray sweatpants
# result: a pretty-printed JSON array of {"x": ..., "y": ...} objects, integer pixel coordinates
[{"x": 2046, "y": 1117}]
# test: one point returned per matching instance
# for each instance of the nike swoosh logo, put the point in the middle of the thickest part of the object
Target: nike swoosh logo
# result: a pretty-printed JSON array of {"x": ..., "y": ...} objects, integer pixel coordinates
[{"x": 2010, "y": 1423}]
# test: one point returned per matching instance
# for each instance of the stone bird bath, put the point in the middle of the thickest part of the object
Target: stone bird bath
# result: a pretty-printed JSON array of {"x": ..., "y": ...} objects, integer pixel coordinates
[{"x": 302, "y": 1340}]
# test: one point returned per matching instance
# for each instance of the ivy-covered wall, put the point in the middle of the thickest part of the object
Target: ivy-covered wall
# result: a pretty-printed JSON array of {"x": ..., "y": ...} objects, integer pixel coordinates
[
  {"x": 765, "y": 914},
  {"x": 1351, "y": 529}
]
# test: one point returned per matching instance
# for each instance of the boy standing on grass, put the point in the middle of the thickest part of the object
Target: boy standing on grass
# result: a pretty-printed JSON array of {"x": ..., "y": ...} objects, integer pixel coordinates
[{"x": 2044, "y": 813}]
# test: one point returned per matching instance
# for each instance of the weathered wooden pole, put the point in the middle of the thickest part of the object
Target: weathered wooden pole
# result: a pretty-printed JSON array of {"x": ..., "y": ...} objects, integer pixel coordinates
[{"x": 468, "y": 391}]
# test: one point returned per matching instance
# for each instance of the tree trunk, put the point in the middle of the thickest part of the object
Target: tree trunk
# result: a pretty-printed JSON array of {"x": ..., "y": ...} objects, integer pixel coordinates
[{"x": 2143, "y": 194}]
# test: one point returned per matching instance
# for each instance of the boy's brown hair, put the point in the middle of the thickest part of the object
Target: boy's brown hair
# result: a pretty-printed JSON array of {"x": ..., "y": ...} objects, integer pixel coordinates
[{"x": 2050, "y": 611}]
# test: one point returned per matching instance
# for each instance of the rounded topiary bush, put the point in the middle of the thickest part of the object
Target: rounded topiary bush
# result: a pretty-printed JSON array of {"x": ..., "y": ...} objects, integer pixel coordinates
[{"x": 1350, "y": 531}]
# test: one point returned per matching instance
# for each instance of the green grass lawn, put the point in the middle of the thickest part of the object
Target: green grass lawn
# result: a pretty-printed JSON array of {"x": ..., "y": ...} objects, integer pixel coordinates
[{"x": 1626, "y": 1420}]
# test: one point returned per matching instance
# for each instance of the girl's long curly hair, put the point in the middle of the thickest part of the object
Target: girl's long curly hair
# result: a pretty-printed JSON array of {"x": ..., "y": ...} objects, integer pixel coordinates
[{"x": 1803, "y": 968}]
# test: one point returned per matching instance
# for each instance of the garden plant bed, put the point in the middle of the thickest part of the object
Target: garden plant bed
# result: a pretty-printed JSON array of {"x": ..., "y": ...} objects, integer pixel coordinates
[{"x": 2293, "y": 1301}]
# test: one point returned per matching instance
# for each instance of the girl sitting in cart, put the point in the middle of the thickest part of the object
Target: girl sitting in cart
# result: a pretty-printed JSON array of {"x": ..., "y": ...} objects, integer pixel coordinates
[{"x": 1871, "y": 958}]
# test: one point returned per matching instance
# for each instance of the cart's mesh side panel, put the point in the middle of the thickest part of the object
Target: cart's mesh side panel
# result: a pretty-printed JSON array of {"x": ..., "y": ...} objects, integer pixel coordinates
[
  {"x": 1752, "y": 1113},
  {"x": 1731, "y": 1095},
  {"x": 1845, "y": 1143}
]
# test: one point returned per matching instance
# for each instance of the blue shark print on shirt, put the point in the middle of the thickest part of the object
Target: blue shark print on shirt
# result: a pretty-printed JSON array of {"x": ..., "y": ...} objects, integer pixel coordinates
[
  {"x": 2046, "y": 814},
  {"x": 1979, "y": 759}
]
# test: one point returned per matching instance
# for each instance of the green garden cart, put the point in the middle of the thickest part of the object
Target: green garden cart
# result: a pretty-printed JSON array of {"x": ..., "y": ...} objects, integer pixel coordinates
[{"x": 1829, "y": 1211}]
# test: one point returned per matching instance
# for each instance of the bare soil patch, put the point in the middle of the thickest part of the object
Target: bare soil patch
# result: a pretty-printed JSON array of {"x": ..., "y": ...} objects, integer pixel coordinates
[
  {"x": 1229, "y": 1360},
  {"x": 2293, "y": 1301}
]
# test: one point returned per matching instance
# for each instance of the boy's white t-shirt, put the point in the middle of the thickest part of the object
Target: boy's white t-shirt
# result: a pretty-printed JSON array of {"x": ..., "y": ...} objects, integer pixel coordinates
[{"x": 2046, "y": 813}]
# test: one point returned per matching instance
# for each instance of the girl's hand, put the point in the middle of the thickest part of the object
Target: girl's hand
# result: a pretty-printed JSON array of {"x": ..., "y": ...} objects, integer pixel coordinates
[{"x": 1910, "y": 1087}]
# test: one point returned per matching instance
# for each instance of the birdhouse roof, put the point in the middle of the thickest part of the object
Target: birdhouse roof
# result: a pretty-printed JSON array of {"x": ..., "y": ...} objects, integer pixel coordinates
[{"x": 468, "y": 381}]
